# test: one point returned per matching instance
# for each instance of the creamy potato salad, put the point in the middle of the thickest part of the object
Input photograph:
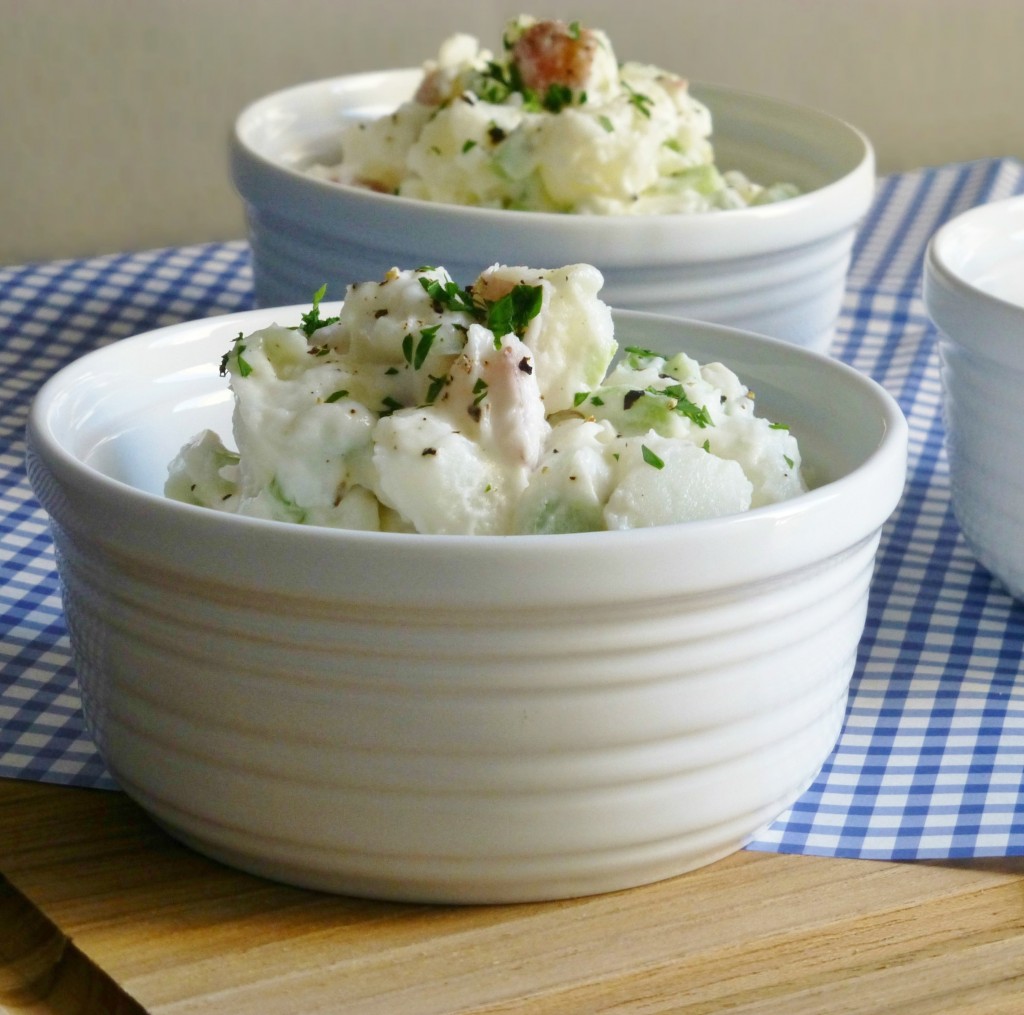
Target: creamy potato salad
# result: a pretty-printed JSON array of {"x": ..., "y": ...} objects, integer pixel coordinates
[
  {"x": 495, "y": 409},
  {"x": 553, "y": 123}
]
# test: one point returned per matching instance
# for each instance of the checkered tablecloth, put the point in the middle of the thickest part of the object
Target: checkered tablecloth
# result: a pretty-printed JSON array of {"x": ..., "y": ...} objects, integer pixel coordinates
[{"x": 930, "y": 763}]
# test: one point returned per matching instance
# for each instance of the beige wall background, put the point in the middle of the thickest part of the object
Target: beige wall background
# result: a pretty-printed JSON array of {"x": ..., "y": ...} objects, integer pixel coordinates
[{"x": 114, "y": 114}]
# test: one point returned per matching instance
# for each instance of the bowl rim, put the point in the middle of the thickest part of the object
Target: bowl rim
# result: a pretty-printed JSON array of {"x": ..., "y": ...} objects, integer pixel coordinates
[
  {"x": 886, "y": 458},
  {"x": 856, "y": 184},
  {"x": 964, "y": 312}
]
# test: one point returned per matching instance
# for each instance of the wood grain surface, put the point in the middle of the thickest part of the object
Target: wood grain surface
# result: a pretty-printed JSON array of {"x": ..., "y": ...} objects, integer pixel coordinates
[{"x": 100, "y": 911}]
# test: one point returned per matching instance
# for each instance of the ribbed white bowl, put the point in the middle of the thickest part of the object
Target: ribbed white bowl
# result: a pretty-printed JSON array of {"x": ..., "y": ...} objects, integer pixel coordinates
[
  {"x": 778, "y": 269},
  {"x": 458, "y": 719},
  {"x": 974, "y": 292}
]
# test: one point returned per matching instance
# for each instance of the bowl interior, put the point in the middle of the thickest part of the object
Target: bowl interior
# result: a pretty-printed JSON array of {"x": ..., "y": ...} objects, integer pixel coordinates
[
  {"x": 984, "y": 248},
  {"x": 125, "y": 410},
  {"x": 102, "y": 432},
  {"x": 767, "y": 139}
]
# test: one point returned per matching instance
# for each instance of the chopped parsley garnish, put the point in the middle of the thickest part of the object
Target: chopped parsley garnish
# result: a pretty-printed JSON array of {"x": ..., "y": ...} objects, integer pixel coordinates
[
  {"x": 777, "y": 426},
  {"x": 468, "y": 145},
  {"x": 427, "y": 336},
  {"x": 480, "y": 390},
  {"x": 579, "y": 398},
  {"x": 788, "y": 460},
  {"x": 335, "y": 396},
  {"x": 574, "y": 29},
  {"x": 557, "y": 97},
  {"x": 436, "y": 386},
  {"x": 597, "y": 400},
  {"x": 236, "y": 350},
  {"x": 449, "y": 296},
  {"x": 499, "y": 81},
  {"x": 606, "y": 123},
  {"x": 514, "y": 311},
  {"x": 650, "y": 457},
  {"x": 642, "y": 102},
  {"x": 415, "y": 353},
  {"x": 640, "y": 353},
  {"x": 695, "y": 413},
  {"x": 390, "y": 405},
  {"x": 312, "y": 321},
  {"x": 678, "y": 402},
  {"x": 707, "y": 446},
  {"x": 511, "y": 313}
]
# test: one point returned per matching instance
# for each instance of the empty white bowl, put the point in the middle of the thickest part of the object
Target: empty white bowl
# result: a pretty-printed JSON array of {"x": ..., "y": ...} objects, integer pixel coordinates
[
  {"x": 974, "y": 292},
  {"x": 458, "y": 719},
  {"x": 778, "y": 269}
]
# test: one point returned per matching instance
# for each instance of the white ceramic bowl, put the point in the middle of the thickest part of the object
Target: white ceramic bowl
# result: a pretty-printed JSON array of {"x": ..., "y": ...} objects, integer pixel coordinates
[
  {"x": 457, "y": 719},
  {"x": 778, "y": 269},
  {"x": 974, "y": 292}
]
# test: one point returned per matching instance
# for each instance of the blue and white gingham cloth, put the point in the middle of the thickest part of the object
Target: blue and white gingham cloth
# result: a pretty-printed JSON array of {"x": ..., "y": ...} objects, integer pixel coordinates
[{"x": 930, "y": 763}]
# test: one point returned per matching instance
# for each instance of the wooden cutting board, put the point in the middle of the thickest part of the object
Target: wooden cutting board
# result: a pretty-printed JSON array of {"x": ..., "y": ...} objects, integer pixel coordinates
[{"x": 102, "y": 912}]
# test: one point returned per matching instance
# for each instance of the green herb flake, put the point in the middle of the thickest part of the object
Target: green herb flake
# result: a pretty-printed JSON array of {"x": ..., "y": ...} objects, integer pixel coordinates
[
  {"x": 236, "y": 350},
  {"x": 449, "y": 296},
  {"x": 514, "y": 311},
  {"x": 498, "y": 82},
  {"x": 606, "y": 123},
  {"x": 574, "y": 30},
  {"x": 312, "y": 321},
  {"x": 436, "y": 387},
  {"x": 468, "y": 145},
  {"x": 407, "y": 348},
  {"x": 650, "y": 457},
  {"x": 695, "y": 413},
  {"x": 336, "y": 396},
  {"x": 707, "y": 446},
  {"x": 788, "y": 460},
  {"x": 390, "y": 405},
  {"x": 597, "y": 400},
  {"x": 636, "y": 350},
  {"x": 480, "y": 390},
  {"x": 427, "y": 336},
  {"x": 557, "y": 97},
  {"x": 642, "y": 102},
  {"x": 777, "y": 426},
  {"x": 579, "y": 398}
]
